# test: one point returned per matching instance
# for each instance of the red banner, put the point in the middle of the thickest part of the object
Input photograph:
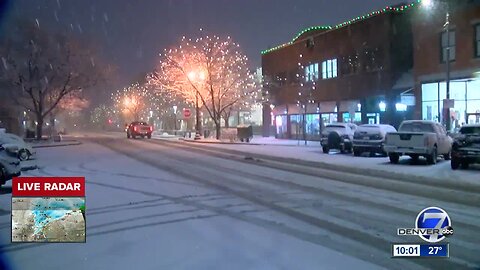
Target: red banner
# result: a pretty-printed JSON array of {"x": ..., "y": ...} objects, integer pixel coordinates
[{"x": 48, "y": 187}]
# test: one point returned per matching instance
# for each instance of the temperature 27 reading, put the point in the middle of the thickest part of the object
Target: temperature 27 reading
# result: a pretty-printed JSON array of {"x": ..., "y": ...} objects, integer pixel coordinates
[{"x": 420, "y": 250}]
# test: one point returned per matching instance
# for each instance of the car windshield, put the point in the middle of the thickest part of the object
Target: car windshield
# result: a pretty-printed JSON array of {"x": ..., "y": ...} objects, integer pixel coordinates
[
  {"x": 416, "y": 127},
  {"x": 470, "y": 130}
]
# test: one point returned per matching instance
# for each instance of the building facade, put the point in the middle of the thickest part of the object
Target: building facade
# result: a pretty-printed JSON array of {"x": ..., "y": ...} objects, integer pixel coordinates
[
  {"x": 432, "y": 46},
  {"x": 359, "y": 71}
]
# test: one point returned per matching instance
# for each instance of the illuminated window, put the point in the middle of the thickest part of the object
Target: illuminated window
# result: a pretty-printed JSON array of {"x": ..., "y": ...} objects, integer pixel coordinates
[
  {"x": 311, "y": 72},
  {"x": 329, "y": 69}
]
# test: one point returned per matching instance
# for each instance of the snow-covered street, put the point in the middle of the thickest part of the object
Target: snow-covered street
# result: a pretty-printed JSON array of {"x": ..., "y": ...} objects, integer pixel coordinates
[{"x": 153, "y": 204}]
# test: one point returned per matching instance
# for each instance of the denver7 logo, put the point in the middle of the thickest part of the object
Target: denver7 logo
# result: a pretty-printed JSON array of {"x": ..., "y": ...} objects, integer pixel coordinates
[{"x": 433, "y": 218}]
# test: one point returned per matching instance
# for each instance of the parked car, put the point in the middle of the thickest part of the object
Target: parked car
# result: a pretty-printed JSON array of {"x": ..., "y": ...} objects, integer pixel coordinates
[
  {"x": 9, "y": 163},
  {"x": 338, "y": 136},
  {"x": 417, "y": 138},
  {"x": 25, "y": 150},
  {"x": 370, "y": 138},
  {"x": 138, "y": 128},
  {"x": 466, "y": 147}
]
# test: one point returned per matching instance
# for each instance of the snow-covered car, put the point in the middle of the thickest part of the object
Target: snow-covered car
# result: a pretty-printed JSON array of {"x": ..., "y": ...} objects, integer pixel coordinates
[
  {"x": 466, "y": 147},
  {"x": 338, "y": 136},
  {"x": 25, "y": 150},
  {"x": 9, "y": 163},
  {"x": 417, "y": 138},
  {"x": 370, "y": 138}
]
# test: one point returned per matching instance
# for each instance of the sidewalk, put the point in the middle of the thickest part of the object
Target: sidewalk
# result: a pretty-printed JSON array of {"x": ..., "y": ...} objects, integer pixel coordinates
[
  {"x": 259, "y": 140},
  {"x": 378, "y": 165}
]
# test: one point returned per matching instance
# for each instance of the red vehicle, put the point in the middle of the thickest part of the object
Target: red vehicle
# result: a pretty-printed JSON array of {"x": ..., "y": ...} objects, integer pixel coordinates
[{"x": 139, "y": 129}]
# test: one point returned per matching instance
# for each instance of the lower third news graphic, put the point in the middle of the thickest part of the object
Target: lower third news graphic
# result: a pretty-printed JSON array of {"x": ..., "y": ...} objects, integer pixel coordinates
[{"x": 48, "y": 209}]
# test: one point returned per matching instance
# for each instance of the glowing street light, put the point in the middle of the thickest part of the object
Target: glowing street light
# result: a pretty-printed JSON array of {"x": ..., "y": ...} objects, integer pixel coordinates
[{"x": 427, "y": 3}]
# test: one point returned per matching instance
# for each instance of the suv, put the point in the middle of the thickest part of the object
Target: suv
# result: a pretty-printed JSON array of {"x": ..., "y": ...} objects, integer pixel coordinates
[
  {"x": 370, "y": 138},
  {"x": 139, "y": 129},
  {"x": 466, "y": 147},
  {"x": 338, "y": 136},
  {"x": 9, "y": 164}
]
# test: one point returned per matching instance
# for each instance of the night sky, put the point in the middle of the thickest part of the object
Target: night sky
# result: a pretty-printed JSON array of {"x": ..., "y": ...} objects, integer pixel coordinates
[{"x": 131, "y": 33}]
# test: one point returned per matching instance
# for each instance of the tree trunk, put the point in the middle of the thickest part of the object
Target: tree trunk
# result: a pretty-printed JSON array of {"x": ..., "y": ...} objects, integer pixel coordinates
[
  {"x": 52, "y": 125},
  {"x": 39, "y": 127},
  {"x": 227, "y": 124},
  {"x": 218, "y": 129}
]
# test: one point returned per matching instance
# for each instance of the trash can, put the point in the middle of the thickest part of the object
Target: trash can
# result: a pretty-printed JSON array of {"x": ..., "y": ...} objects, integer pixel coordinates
[{"x": 244, "y": 133}]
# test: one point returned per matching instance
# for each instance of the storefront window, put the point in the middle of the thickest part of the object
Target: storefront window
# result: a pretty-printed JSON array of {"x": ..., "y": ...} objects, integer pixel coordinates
[
  {"x": 312, "y": 126},
  {"x": 281, "y": 126},
  {"x": 473, "y": 90},
  {"x": 296, "y": 126},
  {"x": 329, "y": 118}
]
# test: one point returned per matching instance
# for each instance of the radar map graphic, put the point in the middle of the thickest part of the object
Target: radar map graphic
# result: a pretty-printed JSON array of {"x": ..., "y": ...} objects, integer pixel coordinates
[{"x": 56, "y": 219}]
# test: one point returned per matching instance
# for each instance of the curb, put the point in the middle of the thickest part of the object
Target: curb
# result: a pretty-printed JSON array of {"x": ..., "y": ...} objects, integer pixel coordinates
[
  {"x": 57, "y": 145},
  {"x": 245, "y": 143}
]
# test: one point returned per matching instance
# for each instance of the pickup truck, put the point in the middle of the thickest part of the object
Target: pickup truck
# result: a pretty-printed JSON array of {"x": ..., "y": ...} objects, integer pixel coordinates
[
  {"x": 417, "y": 138},
  {"x": 139, "y": 129}
]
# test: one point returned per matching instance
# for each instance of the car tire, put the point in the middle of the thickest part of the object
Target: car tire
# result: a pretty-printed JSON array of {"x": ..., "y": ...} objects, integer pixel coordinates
[
  {"x": 23, "y": 155},
  {"x": 432, "y": 158},
  {"x": 394, "y": 158},
  {"x": 134, "y": 136},
  {"x": 149, "y": 136},
  {"x": 465, "y": 165},
  {"x": 447, "y": 156},
  {"x": 356, "y": 152},
  {"x": 325, "y": 150},
  {"x": 371, "y": 154},
  {"x": 128, "y": 135},
  {"x": 454, "y": 163}
]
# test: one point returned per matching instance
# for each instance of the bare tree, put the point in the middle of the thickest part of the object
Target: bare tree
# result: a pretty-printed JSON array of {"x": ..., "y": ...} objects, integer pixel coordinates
[
  {"x": 45, "y": 69},
  {"x": 211, "y": 70}
]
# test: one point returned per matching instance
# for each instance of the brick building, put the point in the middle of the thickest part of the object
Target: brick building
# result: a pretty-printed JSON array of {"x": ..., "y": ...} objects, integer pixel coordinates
[
  {"x": 430, "y": 54},
  {"x": 358, "y": 71}
]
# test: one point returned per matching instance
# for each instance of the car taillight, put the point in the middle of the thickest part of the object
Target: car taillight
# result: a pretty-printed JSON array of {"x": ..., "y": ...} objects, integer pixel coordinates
[
  {"x": 150, "y": 128},
  {"x": 135, "y": 128}
]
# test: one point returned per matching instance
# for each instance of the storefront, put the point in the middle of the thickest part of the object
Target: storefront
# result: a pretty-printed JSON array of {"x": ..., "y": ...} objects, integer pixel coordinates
[{"x": 466, "y": 96}]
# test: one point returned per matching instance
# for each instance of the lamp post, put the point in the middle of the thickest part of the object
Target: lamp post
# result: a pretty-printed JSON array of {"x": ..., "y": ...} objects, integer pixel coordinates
[{"x": 446, "y": 27}]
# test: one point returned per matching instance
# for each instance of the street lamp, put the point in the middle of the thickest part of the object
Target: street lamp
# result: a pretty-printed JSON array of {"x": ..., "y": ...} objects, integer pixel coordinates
[{"x": 446, "y": 26}]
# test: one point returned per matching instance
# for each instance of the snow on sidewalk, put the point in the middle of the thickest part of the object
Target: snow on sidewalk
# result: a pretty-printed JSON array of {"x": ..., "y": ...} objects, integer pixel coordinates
[{"x": 441, "y": 170}]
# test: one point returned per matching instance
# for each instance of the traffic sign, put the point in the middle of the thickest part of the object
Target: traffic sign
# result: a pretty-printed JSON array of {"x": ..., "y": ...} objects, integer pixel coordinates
[{"x": 187, "y": 113}]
